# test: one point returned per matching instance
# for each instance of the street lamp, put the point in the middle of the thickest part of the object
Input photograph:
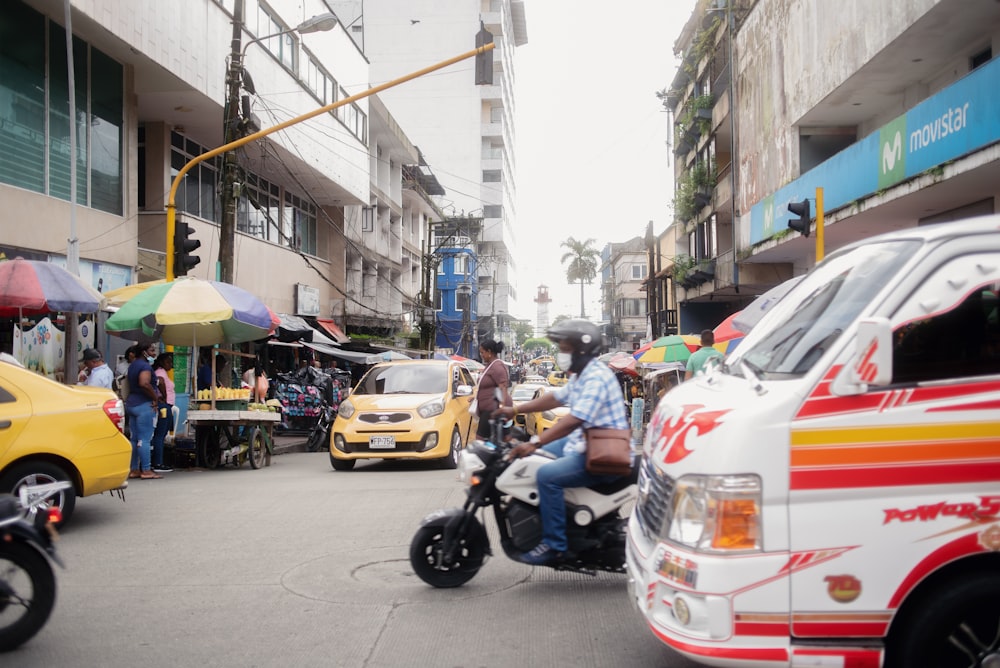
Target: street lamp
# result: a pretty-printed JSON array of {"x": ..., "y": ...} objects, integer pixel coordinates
[{"x": 319, "y": 23}]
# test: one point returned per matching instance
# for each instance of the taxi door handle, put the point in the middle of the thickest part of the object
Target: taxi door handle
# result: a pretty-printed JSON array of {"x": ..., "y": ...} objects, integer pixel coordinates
[{"x": 4, "y": 424}]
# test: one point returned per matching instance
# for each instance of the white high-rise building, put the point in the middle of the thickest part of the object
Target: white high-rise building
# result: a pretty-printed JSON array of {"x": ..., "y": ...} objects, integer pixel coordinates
[{"x": 465, "y": 131}]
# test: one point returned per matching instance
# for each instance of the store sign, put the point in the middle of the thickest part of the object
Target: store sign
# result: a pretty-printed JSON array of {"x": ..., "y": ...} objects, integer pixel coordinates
[{"x": 306, "y": 300}]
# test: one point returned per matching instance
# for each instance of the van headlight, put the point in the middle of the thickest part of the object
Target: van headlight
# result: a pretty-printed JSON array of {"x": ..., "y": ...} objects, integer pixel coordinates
[
  {"x": 346, "y": 409},
  {"x": 431, "y": 408},
  {"x": 717, "y": 513}
]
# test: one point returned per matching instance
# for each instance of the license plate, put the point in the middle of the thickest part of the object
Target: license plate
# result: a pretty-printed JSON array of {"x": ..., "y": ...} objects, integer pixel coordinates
[{"x": 381, "y": 442}]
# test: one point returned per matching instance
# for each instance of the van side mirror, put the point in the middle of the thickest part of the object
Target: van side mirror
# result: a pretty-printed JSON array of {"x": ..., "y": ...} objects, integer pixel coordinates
[{"x": 871, "y": 364}]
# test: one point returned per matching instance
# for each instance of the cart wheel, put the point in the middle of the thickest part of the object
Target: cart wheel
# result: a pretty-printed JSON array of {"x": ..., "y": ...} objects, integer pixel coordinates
[
  {"x": 209, "y": 451},
  {"x": 258, "y": 449}
]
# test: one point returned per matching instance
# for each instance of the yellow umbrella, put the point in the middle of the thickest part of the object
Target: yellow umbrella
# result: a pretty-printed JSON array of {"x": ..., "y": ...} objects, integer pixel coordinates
[{"x": 116, "y": 298}]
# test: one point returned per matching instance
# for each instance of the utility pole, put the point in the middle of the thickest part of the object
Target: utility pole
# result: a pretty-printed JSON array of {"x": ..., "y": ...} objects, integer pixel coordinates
[{"x": 230, "y": 196}]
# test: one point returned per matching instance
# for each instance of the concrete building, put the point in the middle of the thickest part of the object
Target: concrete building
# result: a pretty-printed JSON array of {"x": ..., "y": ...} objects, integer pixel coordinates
[
  {"x": 465, "y": 131},
  {"x": 624, "y": 269},
  {"x": 887, "y": 108},
  {"x": 331, "y": 213}
]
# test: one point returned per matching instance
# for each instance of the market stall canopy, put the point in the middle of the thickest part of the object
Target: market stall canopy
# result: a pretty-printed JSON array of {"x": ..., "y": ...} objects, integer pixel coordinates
[
  {"x": 331, "y": 328},
  {"x": 35, "y": 287},
  {"x": 355, "y": 356},
  {"x": 293, "y": 328}
]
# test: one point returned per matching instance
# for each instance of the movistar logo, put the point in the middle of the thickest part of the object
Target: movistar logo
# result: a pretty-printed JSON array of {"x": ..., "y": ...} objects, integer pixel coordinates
[{"x": 892, "y": 158}]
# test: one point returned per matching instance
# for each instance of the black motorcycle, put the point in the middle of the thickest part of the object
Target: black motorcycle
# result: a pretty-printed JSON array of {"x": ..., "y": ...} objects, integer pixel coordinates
[
  {"x": 452, "y": 544},
  {"x": 27, "y": 545},
  {"x": 319, "y": 436}
]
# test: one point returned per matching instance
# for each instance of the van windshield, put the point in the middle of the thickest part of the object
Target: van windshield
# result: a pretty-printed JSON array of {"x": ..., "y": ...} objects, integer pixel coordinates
[{"x": 793, "y": 336}]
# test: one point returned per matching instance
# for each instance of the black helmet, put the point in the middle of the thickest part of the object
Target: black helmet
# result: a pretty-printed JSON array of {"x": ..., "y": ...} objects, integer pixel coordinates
[{"x": 583, "y": 334}]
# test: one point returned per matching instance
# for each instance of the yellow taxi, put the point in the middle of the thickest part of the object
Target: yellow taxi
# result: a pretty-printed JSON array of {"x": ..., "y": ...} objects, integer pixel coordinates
[
  {"x": 536, "y": 423},
  {"x": 416, "y": 409},
  {"x": 521, "y": 393},
  {"x": 51, "y": 432}
]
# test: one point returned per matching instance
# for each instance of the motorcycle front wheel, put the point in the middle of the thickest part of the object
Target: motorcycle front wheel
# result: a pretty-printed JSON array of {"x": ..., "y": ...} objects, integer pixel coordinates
[
  {"x": 27, "y": 593},
  {"x": 426, "y": 558}
]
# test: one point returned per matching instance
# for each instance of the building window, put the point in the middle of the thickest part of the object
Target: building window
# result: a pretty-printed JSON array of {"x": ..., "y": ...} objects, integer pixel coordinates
[
  {"x": 196, "y": 193},
  {"x": 496, "y": 114},
  {"x": 284, "y": 47},
  {"x": 493, "y": 211},
  {"x": 492, "y": 176},
  {"x": 638, "y": 272},
  {"x": 35, "y": 124},
  {"x": 259, "y": 209},
  {"x": 299, "y": 224}
]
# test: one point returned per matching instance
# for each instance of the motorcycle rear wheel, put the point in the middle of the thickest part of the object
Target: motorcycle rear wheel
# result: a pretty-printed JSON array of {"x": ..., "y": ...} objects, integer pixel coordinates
[
  {"x": 425, "y": 558},
  {"x": 27, "y": 593}
]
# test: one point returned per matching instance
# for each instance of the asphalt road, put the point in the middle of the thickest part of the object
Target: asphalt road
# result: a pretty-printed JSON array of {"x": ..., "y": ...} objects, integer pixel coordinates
[{"x": 298, "y": 565}]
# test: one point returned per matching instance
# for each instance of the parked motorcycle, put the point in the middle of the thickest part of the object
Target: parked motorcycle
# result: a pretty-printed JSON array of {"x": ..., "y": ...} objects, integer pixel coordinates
[
  {"x": 452, "y": 544},
  {"x": 319, "y": 437},
  {"x": 27, "y": 545}
]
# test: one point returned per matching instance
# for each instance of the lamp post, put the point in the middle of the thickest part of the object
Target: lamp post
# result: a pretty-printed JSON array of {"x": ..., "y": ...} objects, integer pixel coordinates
[{"x": 236, "y": 78}]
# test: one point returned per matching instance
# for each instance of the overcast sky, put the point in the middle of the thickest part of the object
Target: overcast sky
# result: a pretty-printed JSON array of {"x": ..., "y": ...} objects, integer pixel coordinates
[{"x": 592, "y": 160}]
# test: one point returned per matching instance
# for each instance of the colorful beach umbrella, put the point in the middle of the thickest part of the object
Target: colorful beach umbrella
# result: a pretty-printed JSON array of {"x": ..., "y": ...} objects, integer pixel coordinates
[
  {"x": 670, "y": 348},
  {"x": 727, "y": 335},
  {"x": 192, "y": 311},
  {"x": 34, "y": 287}
]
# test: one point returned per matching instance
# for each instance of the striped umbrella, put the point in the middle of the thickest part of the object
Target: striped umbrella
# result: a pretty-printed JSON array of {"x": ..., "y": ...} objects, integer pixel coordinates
[
  {"x": 34, "y": 287},
  {"x": 192, "y": 311}
]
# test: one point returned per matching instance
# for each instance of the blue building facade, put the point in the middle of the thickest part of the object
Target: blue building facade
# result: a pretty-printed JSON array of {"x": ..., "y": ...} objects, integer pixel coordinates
[{"x": 456, "y": 298}]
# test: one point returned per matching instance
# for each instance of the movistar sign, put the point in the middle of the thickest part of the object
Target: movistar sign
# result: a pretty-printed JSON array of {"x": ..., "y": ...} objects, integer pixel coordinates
[{"x": 958, "y": 120}]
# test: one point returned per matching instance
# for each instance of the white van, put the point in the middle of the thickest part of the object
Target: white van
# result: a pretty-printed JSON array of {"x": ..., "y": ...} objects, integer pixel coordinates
[{"x": 830, "y": 496}]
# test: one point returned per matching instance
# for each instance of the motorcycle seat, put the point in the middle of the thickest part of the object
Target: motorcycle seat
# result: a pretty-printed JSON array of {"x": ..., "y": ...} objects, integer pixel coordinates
[{"x": 618, "y": 484}]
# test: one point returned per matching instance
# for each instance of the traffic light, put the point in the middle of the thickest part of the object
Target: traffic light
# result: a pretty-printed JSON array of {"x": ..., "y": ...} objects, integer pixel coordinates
[
  {"x": 804, "y": 220},
  {"x": 183, "y": 260},
  {"x": 484, "y": 60}
]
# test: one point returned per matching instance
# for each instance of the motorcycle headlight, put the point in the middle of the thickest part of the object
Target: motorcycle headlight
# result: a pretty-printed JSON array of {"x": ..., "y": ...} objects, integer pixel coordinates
[
  {"x": 346, "y": 409},
  {"x": 717, "y": 513},
  {"x": 431, "y": 408}
]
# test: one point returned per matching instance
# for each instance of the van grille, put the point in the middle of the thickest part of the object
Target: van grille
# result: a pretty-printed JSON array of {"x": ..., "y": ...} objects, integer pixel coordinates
[{"x": 655, "y": 492}]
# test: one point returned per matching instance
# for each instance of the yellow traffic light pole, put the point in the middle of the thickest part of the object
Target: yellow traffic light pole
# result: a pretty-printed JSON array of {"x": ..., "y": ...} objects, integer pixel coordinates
[
  {"x": 819, "y": 225},
  {"x": 171, "y": 206}
]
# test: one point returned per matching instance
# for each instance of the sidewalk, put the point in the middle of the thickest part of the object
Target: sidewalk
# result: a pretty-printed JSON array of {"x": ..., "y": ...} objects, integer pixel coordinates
[{"x": 290, "y": 443}]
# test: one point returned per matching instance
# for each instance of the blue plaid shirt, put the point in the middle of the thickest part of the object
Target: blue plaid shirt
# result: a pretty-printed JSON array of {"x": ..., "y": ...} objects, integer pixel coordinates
[{"x": 594, "y": 397}]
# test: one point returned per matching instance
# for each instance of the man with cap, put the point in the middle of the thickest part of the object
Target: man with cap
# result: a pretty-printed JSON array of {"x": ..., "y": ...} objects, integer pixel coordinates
[{"x": 99, "y": 374}]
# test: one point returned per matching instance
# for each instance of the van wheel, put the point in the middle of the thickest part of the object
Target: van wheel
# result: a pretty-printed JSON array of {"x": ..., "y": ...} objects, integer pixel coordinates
[
  {"x": 955, "y": 628},
  {"x": 41, "y": 473},
  {"x": 450, "y": 461}
]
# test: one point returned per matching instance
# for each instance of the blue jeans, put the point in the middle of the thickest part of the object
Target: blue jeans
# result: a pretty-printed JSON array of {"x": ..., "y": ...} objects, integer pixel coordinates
[
  {"x": 569, "y": 470},
  {"x": 163, "y": 425},
  {"x": 140, "y": 433}
]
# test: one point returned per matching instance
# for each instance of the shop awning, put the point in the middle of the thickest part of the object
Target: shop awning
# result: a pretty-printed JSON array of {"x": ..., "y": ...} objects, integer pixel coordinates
[
  {"x": 331, "y": 328},
  {"x": 339, "y": 353}
]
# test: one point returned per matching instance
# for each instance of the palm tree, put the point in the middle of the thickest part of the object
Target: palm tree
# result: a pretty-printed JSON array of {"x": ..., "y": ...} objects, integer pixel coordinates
[{"x": 583, "y": 262}]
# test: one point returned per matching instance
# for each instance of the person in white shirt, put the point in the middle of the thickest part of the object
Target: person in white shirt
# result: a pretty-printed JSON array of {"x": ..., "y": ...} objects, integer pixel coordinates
[{"x": 96, "y": 372}]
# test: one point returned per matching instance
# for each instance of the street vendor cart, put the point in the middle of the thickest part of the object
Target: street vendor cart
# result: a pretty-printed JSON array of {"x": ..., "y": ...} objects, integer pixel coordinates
[{"x": 233, "y": 435}]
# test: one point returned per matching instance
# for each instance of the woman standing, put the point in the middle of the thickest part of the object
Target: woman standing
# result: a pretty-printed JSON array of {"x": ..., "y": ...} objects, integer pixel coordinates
[
  {"x": 494, "y": 376},
  {"x": 141, "y": 406},
  {"x": 165, "y": 420}
]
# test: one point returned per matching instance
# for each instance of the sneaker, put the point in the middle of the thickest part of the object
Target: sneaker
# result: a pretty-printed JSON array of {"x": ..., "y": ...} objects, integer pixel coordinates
[
  {"x": 541, "y": 555},
  {"x": 162, "y": 468}
]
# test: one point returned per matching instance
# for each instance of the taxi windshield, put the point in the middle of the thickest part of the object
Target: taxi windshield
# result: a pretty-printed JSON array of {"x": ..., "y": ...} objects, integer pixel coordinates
[
  {"x": 791, "y": 338},
  {"x": 405, "y": 379}
]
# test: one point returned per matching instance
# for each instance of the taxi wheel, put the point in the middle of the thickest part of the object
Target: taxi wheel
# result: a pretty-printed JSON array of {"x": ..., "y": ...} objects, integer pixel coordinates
[
  {"x": 451, "y": 460},
  {"x": 41, "y": 473},
  {"x": 341, "y": 464}
]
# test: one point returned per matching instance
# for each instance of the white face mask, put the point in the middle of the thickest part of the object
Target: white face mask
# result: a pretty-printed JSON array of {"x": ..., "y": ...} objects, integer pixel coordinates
[{"x": 564, "y": 361}]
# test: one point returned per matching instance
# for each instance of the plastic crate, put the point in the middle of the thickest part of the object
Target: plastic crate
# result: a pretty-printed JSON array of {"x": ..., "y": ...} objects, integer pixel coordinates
[{"x": 228, "y": 404}]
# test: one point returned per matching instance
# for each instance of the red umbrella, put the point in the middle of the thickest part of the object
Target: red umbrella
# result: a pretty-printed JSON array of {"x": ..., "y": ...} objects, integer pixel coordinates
[
  {"x": 623, "y": 362},
  {"x": 34, "y": 287},
  {"x": 726, "y": 330}
]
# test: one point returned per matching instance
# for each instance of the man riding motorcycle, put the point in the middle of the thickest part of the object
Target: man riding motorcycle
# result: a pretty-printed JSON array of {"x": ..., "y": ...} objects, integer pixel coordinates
[{"x": 595, "y": 400}]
